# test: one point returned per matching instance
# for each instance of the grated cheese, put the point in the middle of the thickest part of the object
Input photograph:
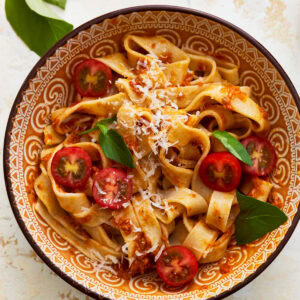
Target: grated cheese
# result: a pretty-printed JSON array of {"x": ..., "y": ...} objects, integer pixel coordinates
[
  {"x": 161, "y": 140},
  {"x": 126, "y": 204},
  {"x": 135, "y": 229},
  {"x": 171, "y": 159},
  {"x": 151, "y": 172},
  {"x": 138, "y": 155},
  {"x": 162, "y": 248},
  {"x": 155, "y": 59},
  {"x": 104, "y": 263},
  {"x": 155, "y": 199},
  {"x": 125, "y": 248},
  {"x": 99, "y": 190},
  {"x": 150, "y": 250}
]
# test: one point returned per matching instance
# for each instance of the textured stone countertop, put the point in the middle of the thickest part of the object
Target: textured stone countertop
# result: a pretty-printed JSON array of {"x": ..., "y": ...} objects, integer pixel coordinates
[{"x": 274, "y": 23}]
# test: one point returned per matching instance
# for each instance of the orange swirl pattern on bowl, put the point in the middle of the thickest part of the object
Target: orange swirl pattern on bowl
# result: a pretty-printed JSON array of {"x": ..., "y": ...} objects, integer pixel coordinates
[{"x": 51, "y": 88}]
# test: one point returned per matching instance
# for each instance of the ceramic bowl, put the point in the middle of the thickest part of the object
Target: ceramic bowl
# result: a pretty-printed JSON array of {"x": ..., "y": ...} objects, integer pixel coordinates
[{"x": 48, "y": 87}]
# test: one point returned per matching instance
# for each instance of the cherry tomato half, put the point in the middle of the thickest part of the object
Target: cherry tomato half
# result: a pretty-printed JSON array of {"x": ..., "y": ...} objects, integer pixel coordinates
[
  {"x": 71, "y": 166},
  {"x": 221, "y": 171},
  {"x": 92, "y": 78},
  {"x": 262, "y": 154},
  {"x": 177, "y": 266},
  {"x": 112, "y": 188}
]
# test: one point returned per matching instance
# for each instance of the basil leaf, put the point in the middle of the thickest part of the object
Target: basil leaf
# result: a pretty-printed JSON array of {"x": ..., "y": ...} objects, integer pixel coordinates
[
  {"x": 256, "y": 218},
  {"x": 233, "y": 146},
  {"x": 36, "y": 24},
  {"x": 103, "y": 122},
  {"x": 59, "y": 3},
  {"x": 108, "y": 121},
  {"x": 89, "y": 130},
  {"x": 112, "y": 143},
  {"x": 103, "y": 128},
  {"x": 39, "y": 7},
  {"x": 115, "y": 148}
]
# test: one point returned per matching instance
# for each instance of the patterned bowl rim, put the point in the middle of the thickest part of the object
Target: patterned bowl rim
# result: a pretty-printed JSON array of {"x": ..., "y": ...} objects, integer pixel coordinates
[{"x": 60, "y": 43}]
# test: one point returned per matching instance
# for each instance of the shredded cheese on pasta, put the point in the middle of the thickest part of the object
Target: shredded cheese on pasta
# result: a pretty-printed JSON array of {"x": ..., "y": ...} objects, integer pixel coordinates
[{"x": 165, "y": 114}]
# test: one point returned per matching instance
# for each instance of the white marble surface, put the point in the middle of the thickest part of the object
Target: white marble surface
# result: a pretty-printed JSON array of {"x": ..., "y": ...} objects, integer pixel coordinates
[{"x": 275, "y": 23}]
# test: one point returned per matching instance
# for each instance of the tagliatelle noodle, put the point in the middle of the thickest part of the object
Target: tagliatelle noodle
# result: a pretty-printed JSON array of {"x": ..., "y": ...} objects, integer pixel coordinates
[{"x": 167, "y": 102}]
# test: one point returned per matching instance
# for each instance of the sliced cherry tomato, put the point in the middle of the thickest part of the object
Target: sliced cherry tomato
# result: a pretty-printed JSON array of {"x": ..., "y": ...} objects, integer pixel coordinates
[
  {"x": 92, "y": 78},
  {"x": 71, "y": 166},
  {"x": 221, "y": 171},
  {"x": 177, "y": 266},
  {"x": 112, "y": 188},
  {"x": 262, "y": 154}
]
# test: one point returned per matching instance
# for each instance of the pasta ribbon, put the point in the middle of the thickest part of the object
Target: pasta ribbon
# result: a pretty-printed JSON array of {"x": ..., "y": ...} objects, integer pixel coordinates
[
  {"x": 147, "y": 220},
  {"x": 200, "y": 239},
  {"x": 182, "y": 137},
  {"x": 174, "y": 61},
  {"x": 181, "y": 200},
  {"x": 43, "y": 189},
  {"x": 89, "y": 247},
  {"x": 232, "y": 98},
  {"x": 118, "y": 63},
  {"x": 256, "y": 188},
  {"x": 62, "y": 118},
  {"x": 167, "y": 103},
  {"x": 218, "y": 249},
  {"x": 219, "y": 209}
]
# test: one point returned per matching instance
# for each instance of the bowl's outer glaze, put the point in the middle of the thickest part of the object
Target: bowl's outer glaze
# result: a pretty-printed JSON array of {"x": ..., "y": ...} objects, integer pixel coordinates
[{"x": 48, "y": 87}]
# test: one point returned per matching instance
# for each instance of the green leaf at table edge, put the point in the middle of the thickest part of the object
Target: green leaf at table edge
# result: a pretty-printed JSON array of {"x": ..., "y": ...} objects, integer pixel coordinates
[
  {"x": 41, "y": 8},
  {"x": 117, "y": 149},
  {"x": 247, "y": 201},
  {"x": 36, "y": 24},
  {"x": 59, "y": 3},
  {"x": 233, "y": 146}
]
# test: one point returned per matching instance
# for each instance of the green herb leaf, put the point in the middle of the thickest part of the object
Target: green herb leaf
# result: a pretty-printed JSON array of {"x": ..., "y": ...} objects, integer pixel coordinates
[
  {"x": 36, "y": 24},
  {"x": 233, "y": 146},
  {"x": 42, "y": 9},
  {"x": 103, "y": 128},
  {"x": 256, "y": 218},
  {"x": 112, "y": 143},
  {"x": 115, "y": 148},
  {"x": 89, "y": 130},
  {"x": 108, "y": 121},
  {"x": 104, "y": 122},
  {"x": 59, "y": 3}
]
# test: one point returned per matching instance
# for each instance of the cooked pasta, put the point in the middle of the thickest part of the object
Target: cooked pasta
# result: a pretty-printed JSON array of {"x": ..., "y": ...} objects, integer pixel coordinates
[{"x": 167, "y": 103}]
